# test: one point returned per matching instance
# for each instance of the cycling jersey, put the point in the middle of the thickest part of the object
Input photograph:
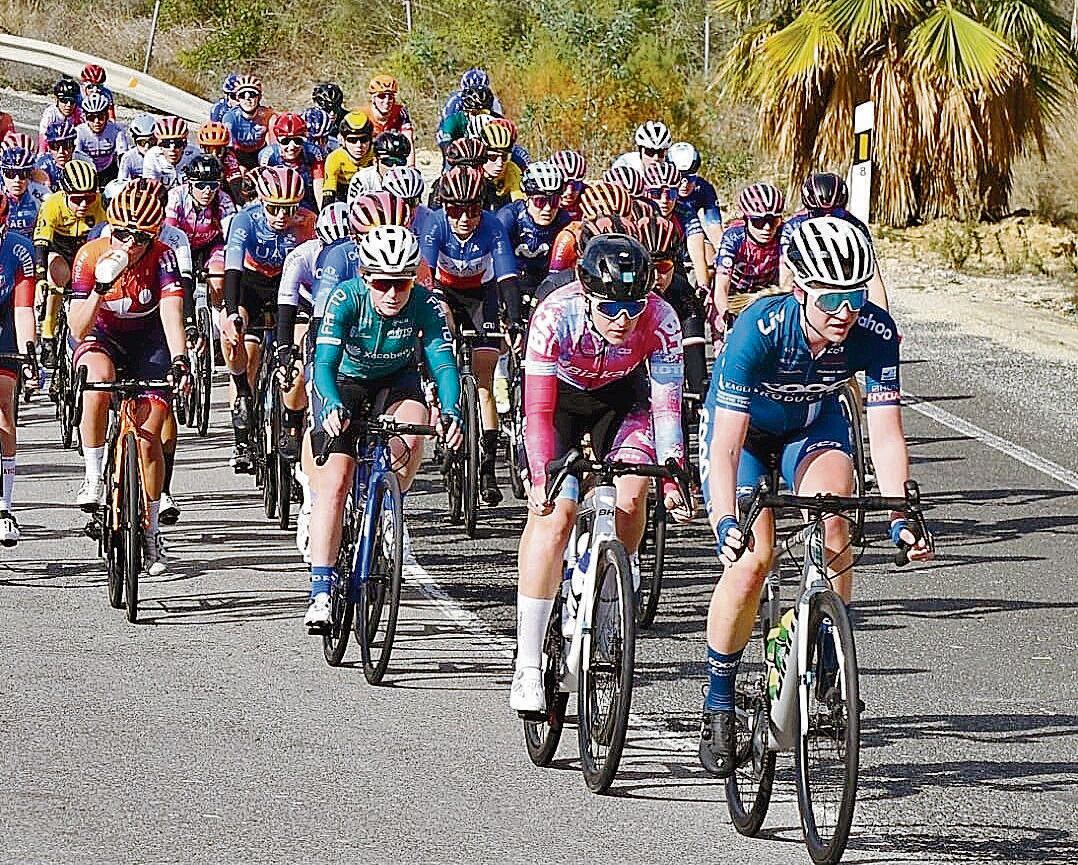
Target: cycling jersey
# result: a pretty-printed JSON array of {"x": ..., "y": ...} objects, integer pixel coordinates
[
  {"x": 131, "y": 164},
  {"x": 701, "y": 203},
  {"x": 339, "y": 169},
  {"x": 468, "y": 264},
  {"x": 156, "y": 166},
  {"x": 310, "y": 168},
  {"x": 532, "y": 243},
  {"x": 632, "y": 160},
  {"x": 102, "y": 148},
  {"x": 253, "y": 245},
  {"x": 355, "y": 341},
  {"x": 248, "y": 133},
  {"x": 7, "y": 124},
  {"x": 23, "y": 210},
  {"x": 299, "y": 273},
  {"x": 502, "y": 190},
  {"x": 17, "y": 287},
  {"x": 454, "y": 104},
  {"x": 563, "y": 346},
  {"x": 51, "y": 114},
  {"x": 220, "y": 108},
  {"x": 47, "y": 170},
  {"x": 59, "y": 229},
  {"x": 566, "y": 248},
  {"x": 749, "y": 265},
  {"x": 839, "y": 213},
  {"x": 335, "y": 264},
  {"x": 397, "y": 119},
  {"x": 202, "y": 225}
]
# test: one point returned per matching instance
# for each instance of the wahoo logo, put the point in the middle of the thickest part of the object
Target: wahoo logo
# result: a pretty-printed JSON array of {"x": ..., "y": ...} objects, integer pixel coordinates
[
  {"x": 868, "y": 322},
  {"x": 774, "y": 319}
]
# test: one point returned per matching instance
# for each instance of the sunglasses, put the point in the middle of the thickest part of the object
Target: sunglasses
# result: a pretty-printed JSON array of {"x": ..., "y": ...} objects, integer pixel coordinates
[
  {"x": 248, "y": 94},
  {"x": 389, "y": 94},
  {"x": 831, "y": 301},
  {"x": 391, "y": 161},
  {"x": 206, "y": 184},
  {"x": 142, "y": 238},
  {"x": 541, "y": 202},
  {"x": 657, "y": 192},
  {"x": 763, "y": 221},
  {"x": 497, "y": 156},
  {"x": 456, "y": 211},
  {"x": 80, "y": 198},
  {"x": 281, "y": 209},
  {"x": 61, "y": 145},
  {"x": 172, "y": 143},
  {"x": 613, "y": 308},
  {"x": 663, "y": 266},
  {"x": 98, "y": 115},
  {"x": 384, "y": 284},
  {"x": 16, "y": 173},
  {"x": 143, "y": 139},
  {"x": 654, "y": 151},
  {"x": 65, "y": 100},
  {"x": 297, "y": 140},
  {"x": 357, "y": 139}
]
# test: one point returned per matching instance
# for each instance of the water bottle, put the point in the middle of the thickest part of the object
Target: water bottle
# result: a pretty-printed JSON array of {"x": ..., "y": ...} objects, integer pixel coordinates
[
  {"x": 779, "y": 640},
  {"x": 572, "y": 586}
]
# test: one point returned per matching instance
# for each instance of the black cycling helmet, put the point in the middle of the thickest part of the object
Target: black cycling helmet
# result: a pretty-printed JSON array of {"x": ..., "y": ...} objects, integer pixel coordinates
[
  {"x": 66, "y": 87},
  {"x": 328, "y": 96},
  {"x": 392, "y": 148},
  {"x": 477, "y": 99},
  {"x": 824, "y": 191},
  {"x": 204, "y": 167},
  {"x": 614, "y": 267}
]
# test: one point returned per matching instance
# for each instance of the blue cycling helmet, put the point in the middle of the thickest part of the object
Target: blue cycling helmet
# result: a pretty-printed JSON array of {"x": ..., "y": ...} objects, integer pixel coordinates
[
  {"x": 319, "y": 123},
  {"x": 60, "y": 131},
  {"x": 473, "y": 78},
  {"x": 228, "y": 86},
  {"x": 16, "y": 158}
]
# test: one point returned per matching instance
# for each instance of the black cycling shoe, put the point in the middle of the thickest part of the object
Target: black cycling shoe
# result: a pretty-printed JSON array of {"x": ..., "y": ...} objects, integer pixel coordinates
[
  {"x": 48, "y": 352},
  {"x": 488, "y": 488},
  {"x": 241, "y": 459},
  {"x": 288, "y": 443},
  {"x": 718, "y": 742}
]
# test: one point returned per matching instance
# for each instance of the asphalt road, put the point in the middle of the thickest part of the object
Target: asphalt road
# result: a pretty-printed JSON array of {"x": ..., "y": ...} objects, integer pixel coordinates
[{"x": 213, "y": 731}]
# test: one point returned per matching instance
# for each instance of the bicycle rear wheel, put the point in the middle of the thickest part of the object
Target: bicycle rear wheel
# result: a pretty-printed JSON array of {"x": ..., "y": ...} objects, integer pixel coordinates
[
  {"x": 268, "y": 432},
  {"x": 283, "y": 485},
  {"x": 132, "y": 524},
  {"x": 514, "y": 449},
  {"x": 541, "y": 737},
  {"x": 341, "y": 603},
  {"x": 111, "y": 540},
  {"x": 469, "y": 402},
  {"x": 850, "y": 404},
  {"x": 828, "y": 752},
  {"x": 204, "y": 372},
  {"x": 381, "y": 594},
  {"x": 652, "y": 560},
  {"x": 605, "y": 684}
]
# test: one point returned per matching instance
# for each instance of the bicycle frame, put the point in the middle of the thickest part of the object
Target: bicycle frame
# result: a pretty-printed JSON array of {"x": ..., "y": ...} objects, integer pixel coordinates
[{"x": 370, "y": 468}]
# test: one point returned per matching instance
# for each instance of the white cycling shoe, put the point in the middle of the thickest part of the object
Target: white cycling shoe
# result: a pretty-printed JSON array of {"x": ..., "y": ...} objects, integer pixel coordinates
[
  {"x": 170, "y": 511},
  {"x": 153, "y": 555},
  {"x": 527, "y": 695},
  {"x": 318, "y": 614},
  {"x": 303, "y": 531},
  {"x": 9, "y": 529},
  {"x": 91, "y": 495}
]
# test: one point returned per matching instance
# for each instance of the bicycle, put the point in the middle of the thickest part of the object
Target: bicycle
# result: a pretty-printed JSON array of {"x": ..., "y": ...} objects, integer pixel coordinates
[
  {"x": 513, "y": 425},
  {"x": 61, "y": 384},
  {"x": 590, "y": 643},
  {"x": 120, "y": 525},
  {"x": 272, "y": 473},
  {"x": 792, "y": 693},
  {"x": 849, "y": 401},
  {"x": 652, "y": 558},
  {"x": 196, "y": 403},
  {"x": 26, "y": 361},
  {"x": 371, "y": 556}
]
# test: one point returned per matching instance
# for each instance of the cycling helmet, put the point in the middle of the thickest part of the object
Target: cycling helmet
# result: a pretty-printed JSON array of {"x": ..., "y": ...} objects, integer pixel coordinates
[
  {"x": 461, "y": 184},
  {"x": 95, "y": 103},
  {"x": 658, "y": 235},
  {"x": 214, "y": 135},
  {"x": 627, "y": 177},
  {"x": 761, "y": 199},
  {"x": 653, "y": 134},
  {"x": 404, "y": 181},
  {"x": 476, "y": 99},
  {"x": 60, "y": 131},
  {"x": 327, "y": 96},
  {"x": 604, "y": 224},
  {"x": 153, "y": 186},
  {"x": 354, "y": 123},
  {"x": 392, "y": 148},
  {"x": 477, "y": 123},
  {"x": 542, "y": 178},
  {"x": 204, "y": 167},
  {"x": 499, "y": 134},
  {"x": 319, "y": 123},
  {"x": 137, "y": 206},
  {"x": 170, "y": 127},
  {"x": 16, "y": 157},
  {"x": 573, "y": 165},
  {"x": 142, "y": 126},
  {"x": 248, "y": 82},
  {"x": 685, "y": 157},
  {"x": 389, "y": 250},
  {"x": 661, "y": 174},
  {"x": 288, "y": 125},
  {"x": 279, "y": 185},
  {"x": 66, "y": 88},
  {"x": 93, "y": 74},
  {"x": 830, "y": 251},
  {"x": 382, "y": 84},
  {"x": 111, "y": 190},
  {"x": 378, "y": 208},
  {"x": 614, "y": 267},
  {"x": 332, "y": 224},
  {"x": 604, "y": 197},
  {"x": 824, "y": 191},
  {"x": 466, "y": 151},
  {"x": 473, "y": 78},
  {"x": 228, "y": 86},
  {"x": 78, "y": 176}
]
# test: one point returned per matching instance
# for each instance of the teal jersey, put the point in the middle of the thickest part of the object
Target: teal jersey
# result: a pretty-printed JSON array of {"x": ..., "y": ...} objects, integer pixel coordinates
[{"x": 355, "y": 341}]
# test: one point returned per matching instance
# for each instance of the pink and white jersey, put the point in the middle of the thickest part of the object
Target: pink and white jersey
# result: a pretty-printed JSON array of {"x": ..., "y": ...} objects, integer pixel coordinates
[
  {"x": 562, "y": 344},
  {"x": 202, "y": 225}
]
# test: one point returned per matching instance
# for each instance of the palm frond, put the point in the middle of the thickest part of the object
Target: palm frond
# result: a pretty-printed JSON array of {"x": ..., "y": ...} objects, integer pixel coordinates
[
  {"x": 868, "y": 20},
  {"x": 964, "y": 51}
]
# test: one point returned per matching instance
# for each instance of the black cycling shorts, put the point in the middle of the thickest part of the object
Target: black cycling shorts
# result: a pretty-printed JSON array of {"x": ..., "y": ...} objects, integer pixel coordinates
[{"x": 364, "y": 398}]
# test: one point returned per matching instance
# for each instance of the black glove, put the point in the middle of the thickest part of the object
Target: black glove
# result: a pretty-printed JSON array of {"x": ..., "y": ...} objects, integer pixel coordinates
[
  {"x": 285, "y": 354},
  {"x": 180, "y": 369},
  {"x": 190, "y": 331}
]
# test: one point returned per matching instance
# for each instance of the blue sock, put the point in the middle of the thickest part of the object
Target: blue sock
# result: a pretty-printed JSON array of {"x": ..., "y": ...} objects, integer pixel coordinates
[
  {"x": 722, "y": 672},
  {"x": 321, "y": 578}
]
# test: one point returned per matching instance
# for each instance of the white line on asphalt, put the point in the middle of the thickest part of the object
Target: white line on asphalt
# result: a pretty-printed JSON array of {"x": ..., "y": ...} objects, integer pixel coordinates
[{"x": 1023, "y": 455}]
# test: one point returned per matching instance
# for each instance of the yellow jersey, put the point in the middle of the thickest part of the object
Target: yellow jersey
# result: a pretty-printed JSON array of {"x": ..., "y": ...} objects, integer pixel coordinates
[
  {"x": 60, "y": 228},
  {"x": 340, "y": 167}
]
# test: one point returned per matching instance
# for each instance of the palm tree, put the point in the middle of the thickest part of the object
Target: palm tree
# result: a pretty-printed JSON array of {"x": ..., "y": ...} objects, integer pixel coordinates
[{"x": 960, "y": 89}]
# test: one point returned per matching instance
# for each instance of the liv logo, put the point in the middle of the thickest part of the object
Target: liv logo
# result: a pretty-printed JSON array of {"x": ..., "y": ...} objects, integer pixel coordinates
[{"x": 773, "y": 320}]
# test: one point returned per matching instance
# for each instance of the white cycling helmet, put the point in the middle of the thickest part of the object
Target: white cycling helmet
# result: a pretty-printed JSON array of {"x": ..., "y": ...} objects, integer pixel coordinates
[
  {"x": 830, "y": 252},
  {"x": 360, "y": 184},
  {"x": 405, "y": 181},
  {"x": 389, "y": 250},
  {"x": 476, "y": 124},
  {"x": 653, "y": 134},
  {"x": 142, "y": 126},
  {"x": 332, "y": 224},
  {"x": 112, "y": 189},
  {"x": 542, "y": 178},
  {"x": 684, "y": 156},
  {"x": 95, "y": 102}
]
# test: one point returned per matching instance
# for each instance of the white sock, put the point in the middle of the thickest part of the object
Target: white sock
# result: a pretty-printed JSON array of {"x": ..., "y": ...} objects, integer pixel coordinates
[
  {"x": 95, "y": 459},
  {"x": 9, "y": 481},
  {"x": 153, "y": 510},
  {"x": 533, "y": 614}
]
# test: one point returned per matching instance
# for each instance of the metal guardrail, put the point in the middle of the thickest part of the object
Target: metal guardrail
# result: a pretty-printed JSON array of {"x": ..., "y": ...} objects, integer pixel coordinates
[{"x": 121, "y": 79}]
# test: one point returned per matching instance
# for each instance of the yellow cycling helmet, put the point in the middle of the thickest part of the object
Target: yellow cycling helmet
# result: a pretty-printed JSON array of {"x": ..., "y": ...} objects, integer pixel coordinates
[
  {"x": 78, "y": 176},
  {"x": 498, "y": 135},
  {"x": 382, "y": 84},
  {"x": 356, "y": 123}
]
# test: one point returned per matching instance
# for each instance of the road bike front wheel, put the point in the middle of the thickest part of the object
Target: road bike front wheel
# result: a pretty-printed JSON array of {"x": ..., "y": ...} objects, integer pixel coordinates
[
  {"x": 541, "y": 737},
  {"x": 605, "y": 684},
  {"x": 514, "y": 449},
  {"x": 652, "y": 560},
  {"x": 268, "y": 433},
  {"x": 132, "y": 525},
  {"x": 111, "y": 540},
  {"x": 828, "y": 750},
  {"x": 469, "y": 402},
  {"x": 381, "y": 594},
  {"x": 204, "y": 373}
]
